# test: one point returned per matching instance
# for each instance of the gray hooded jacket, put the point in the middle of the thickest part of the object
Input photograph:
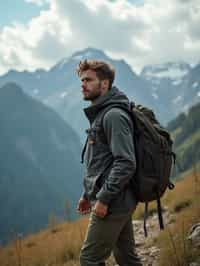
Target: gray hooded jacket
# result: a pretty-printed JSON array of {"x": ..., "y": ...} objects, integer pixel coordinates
[{"x": 110, "y": 155}]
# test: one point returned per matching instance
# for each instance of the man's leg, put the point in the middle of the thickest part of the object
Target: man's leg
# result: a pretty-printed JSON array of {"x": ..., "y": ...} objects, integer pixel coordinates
[
  {"x": 101, "y": 238},
  {"x": 124, "y": 250}
]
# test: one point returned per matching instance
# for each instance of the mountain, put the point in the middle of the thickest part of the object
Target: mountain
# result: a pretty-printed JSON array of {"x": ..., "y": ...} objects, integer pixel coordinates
[
  {"x": 171, "y": 71},
  {"x": 60, "y": 87},
  {"x": 168, "y": 88},
  {"x": 176, "y": 86},
  {"x": 185, "y": 130},
  {"x": 191, "y": 87},
  {"x": 39, "y": 163}
]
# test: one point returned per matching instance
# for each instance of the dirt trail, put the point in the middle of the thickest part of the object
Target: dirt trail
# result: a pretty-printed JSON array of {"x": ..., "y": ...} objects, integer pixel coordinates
[{"x": 146, "y": 247}]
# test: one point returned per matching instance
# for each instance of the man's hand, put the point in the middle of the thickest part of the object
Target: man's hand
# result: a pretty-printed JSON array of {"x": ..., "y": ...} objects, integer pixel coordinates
[
  {"x": 84, "y": 206},
  {"x": 100, "y": 209}
]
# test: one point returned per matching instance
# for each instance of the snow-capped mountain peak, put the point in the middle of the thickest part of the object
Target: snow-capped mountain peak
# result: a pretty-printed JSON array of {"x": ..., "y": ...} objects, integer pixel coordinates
[
  {"x": 173, "y": 71},
  {"x": 88, "y": 53}
]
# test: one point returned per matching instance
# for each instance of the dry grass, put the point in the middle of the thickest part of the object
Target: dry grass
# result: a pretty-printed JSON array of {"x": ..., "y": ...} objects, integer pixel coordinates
[
  {"x": 47, "y": 248},
  {"x": 139, "y": 213},
  {"x": 184, "y": 202},
  {"x": 176, "y": 250},
  {"x": 179, "y": 198},
  {"x": 60, "y": 245},
  {"x": 183, "y": 194}
]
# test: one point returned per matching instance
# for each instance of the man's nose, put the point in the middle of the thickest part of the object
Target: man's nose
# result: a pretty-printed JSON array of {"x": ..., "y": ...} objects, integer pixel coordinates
[{"x": 83, "y": 84}]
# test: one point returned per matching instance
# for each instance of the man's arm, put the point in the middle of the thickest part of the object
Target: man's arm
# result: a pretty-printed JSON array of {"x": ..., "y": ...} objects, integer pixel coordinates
[{"x": 118, "y": 128}]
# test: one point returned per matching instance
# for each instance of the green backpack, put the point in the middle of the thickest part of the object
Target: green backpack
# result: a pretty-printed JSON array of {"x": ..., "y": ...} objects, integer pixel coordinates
[{"x": 154, "y": 157}]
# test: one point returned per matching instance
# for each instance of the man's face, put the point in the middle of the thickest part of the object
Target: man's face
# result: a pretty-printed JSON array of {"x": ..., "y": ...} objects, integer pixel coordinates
[{"x": 92, "y": 86}]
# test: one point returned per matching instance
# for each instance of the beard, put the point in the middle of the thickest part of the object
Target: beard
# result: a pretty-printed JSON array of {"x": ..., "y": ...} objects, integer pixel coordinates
[
  {"x": 91, "y": 97},
  {"x": 94, "y": 94}
]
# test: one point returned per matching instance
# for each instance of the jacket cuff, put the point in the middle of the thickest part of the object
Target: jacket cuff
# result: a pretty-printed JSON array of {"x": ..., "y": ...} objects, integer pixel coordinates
[
  {"x": 84, "y": 195},
  {"x": 101, "y": 196}
]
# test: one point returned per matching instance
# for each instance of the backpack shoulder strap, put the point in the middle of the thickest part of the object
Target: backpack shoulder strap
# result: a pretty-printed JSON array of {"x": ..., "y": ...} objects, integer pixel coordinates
[
  {"x": 99, "y": 121},
  {"x": 100, "y": 118},
  {"x": 108, "y": 108},
  {"x": 84, "y": 150}
]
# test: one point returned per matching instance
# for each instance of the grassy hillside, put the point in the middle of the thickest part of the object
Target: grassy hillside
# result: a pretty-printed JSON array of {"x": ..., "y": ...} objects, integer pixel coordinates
[
  {"x": 59, "y": 244},
  {"x": 184, "y": 208},
  {"x": 176, "y": 249},
  {"x": 185, "y": 130}
]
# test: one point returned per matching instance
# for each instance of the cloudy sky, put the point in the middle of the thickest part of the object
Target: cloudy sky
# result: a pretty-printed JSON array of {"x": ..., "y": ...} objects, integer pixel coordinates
[{"x": 39, "y": 33}]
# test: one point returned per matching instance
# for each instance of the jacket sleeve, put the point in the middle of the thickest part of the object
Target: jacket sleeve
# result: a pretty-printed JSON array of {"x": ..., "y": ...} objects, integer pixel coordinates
[
  {"x": 84, "y": 195},
  {"x": 118, "y": 128}
]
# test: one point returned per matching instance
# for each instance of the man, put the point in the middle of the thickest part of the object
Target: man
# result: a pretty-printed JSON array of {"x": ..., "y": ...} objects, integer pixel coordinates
[{"x": 110, "y": 164}]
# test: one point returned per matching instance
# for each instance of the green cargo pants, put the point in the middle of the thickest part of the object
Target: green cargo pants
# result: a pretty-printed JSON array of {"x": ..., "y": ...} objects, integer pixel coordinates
[{"x": 111, "y": 233}]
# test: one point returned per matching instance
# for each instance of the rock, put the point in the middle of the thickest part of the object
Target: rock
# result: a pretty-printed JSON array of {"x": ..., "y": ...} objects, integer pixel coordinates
[
  {"x": 146, "y": 247},
  {"x": 136, "y": 222},
  {"x": 194, "y": 235},
  {"x": 143, "y": 252},
  {"x": 139, "y": 243},
  {"x": 154, "y": 251},
  {"x": 194, "y": 264}
]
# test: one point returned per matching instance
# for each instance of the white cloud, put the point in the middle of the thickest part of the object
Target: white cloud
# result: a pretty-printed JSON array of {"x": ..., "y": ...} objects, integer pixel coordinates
[
  {"x": 37, "y": 2},
  {"x": 144, "y": 34}
]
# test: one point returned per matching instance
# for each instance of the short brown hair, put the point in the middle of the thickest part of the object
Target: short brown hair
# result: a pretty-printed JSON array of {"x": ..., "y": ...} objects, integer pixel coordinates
[{"x": 103, "y": 69}]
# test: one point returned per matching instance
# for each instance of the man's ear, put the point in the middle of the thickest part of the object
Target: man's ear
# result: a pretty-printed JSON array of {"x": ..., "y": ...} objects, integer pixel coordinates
[{"x": 105, "y": 83}]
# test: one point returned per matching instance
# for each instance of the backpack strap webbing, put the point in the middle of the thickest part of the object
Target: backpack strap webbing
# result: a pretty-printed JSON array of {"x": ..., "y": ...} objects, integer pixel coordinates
[
  {"x": 83, "y": 151},
  {"x": 160, "y": 217},
  {"x": 145, "y": 218}
]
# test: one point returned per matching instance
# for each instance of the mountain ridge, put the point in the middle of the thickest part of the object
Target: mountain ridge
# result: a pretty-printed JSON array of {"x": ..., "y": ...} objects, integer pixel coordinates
[
  {"x": 59, "y": 87},
  {"x": 39, "y": 163}
]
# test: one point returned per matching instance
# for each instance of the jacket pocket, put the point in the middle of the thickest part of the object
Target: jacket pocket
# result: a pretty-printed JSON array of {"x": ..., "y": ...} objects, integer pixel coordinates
[{"x": 91, "y": 185}]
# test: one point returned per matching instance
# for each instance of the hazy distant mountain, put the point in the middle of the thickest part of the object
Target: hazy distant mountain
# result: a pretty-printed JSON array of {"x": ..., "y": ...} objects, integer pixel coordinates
[
  {"x": 168, "y": 88},
  {"x": 60, "y": 87},
  {"x": 39, "y": 163},
  {"x": 40, "y": 152},
  {"x": 165, "y": 80},
  {"x": 171, "y": 71},
  {"x": 191, "y": 87}
]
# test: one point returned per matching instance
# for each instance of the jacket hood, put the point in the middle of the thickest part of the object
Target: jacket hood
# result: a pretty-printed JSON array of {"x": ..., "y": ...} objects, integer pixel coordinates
[{"x": 112, "y": 97}]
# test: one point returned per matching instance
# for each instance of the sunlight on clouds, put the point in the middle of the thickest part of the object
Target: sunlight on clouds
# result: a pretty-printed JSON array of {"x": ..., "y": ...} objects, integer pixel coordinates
[
  {"x": 142, "y": 45},
  {"x": 37, "y": 2},
  {"x": 154, "y": 32},
  {"x": 95, "y": 4},
  {"x": 38, "y": 44}
]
